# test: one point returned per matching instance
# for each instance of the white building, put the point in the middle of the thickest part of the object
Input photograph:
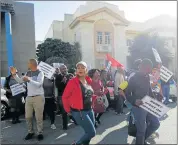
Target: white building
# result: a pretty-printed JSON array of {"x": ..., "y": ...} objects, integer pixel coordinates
[{"x": 102, "y": 28}]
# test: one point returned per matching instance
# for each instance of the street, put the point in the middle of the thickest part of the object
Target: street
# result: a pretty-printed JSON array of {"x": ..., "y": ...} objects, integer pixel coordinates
[{"x": 113, "y": 130}]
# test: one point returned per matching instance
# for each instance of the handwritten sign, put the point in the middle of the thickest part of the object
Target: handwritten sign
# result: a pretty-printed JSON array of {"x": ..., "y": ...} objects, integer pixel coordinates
[
  {"x": 154, "y": 107},
  {"x": 46, "y": 69},
  {"x": 57, "y": 65},
  {"x": 165, "y": 74},
  {"x": 156, "y": 55},
  {"x": 17, "y": 89}
]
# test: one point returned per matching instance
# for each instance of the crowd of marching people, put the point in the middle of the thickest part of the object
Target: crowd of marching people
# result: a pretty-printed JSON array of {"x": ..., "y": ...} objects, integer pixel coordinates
[{"x": 84, "y": 96}]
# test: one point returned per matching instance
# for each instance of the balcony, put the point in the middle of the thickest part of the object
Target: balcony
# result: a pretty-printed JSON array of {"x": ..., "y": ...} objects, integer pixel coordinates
[{"x": 104, "y": 48}]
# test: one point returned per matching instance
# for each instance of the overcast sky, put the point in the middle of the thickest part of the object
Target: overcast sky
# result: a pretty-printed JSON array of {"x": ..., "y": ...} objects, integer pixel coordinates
[{"x": 139, "y": 11}]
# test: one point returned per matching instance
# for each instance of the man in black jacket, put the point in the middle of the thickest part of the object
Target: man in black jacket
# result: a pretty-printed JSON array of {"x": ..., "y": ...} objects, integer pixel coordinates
[
  {"x": 61, "y": 82},
  {"x": 138, "y": 88}
]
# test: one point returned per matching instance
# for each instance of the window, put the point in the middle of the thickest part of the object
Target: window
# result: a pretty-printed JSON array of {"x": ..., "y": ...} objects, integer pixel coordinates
[
  {"x": 99, "y": 38},
  {"x": 107, "y": 38}
]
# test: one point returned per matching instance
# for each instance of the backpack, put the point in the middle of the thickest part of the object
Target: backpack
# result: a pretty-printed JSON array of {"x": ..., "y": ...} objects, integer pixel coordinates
[{"x": 98, "y": 104}]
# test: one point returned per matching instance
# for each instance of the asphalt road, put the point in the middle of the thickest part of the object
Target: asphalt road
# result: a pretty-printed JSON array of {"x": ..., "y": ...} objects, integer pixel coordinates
[{"x": 113, "y": 130}]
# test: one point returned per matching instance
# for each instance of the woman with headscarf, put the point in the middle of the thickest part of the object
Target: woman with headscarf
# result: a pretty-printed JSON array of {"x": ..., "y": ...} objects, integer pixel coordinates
[{"x": 77, "y": 101}]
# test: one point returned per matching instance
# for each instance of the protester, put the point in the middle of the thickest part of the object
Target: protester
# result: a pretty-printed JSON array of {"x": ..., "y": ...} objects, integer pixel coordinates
[
  {"x": 35, "y": 100},
  {"x": 50, "y": 93},
  {"x": 166, "y": 91},
  {"x": 14, "y": 101},
  {"x": 136, "y": 66},
  {"x": 119, "y": 78},
  {"x": 61, "y": 82},
  {"x": 106, "y": 83},
  {"x": 98, "y": 89},
  {"x": 138, "y": 87},
  {"x": 77, "y": 100}
]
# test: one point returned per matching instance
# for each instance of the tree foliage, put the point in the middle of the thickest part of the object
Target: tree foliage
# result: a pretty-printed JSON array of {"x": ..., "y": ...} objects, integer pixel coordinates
[
  {"x": 57, "y": 51},
  {"x": 142, "y": 48}
]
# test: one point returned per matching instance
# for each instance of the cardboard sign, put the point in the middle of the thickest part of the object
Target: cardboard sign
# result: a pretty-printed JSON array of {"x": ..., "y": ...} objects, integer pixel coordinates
[
  {"x": 46, "y": 69},
  {"x": 165, "y": 74},
  {"x": 156, "y": 55},
  {"x": 108, "y": 66},
  {"x": 57, "y": 65},
  {"x": 154, "y": 107},
  {"x": 17, "y": 89}
]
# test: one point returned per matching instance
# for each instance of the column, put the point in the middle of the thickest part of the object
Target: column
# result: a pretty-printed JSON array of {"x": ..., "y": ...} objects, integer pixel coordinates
[{"x": 9, "y": 40}]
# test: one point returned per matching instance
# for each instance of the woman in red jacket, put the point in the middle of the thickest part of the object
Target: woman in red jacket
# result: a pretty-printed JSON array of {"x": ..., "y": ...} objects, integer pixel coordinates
[{"x": 77, "y": 100}]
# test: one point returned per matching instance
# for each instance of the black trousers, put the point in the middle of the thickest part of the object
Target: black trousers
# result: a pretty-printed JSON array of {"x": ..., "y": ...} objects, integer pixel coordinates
[
  {"x": 119, "y": 104},
  {"x": 98, "y": 116},
  {"x": 49, "y": 109},
  {"x": 15, "y": 102},
  {"x": 109, "y": 99}
]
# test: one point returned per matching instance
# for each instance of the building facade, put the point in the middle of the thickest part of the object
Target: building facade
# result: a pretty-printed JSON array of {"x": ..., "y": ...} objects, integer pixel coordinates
[
  {"x": 102, "y": 28},
  {"x": 17, "y": 35}
]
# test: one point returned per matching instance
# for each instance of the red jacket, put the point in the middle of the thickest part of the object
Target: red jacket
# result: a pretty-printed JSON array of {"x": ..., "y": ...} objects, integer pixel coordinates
[{"x": 72, "y": 96}]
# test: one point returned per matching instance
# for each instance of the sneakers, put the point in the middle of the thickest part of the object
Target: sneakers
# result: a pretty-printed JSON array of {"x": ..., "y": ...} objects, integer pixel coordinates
[
  {"x": 53, "y": 126},
  {"x": 40, "y": 137},
  {"x": 29, "y": 136}
]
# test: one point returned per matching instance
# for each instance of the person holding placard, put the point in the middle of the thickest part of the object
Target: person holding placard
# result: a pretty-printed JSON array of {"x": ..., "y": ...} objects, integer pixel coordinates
[
  {"x": 14, "y": 101},
  {"x": 35, "y": 99},
  {"x": 138, "y": 88}
]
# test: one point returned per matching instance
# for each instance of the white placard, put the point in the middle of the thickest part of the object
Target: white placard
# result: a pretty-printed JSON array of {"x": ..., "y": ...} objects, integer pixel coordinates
[
  {"x": 46, "y": 69},
  {"x": 154, "y": 107},
  {"x": 57, "y": 65},
  {"x": 156, "y": 55},
  {"x": 165, "y": 74},
  {"x": 17, "y": 89},
  {"x": 108, "y": 66}
]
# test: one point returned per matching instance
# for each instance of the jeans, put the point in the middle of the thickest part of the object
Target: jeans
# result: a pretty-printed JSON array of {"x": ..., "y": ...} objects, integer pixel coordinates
[
  {"x": 86, "y": 120},
  {"x": 146, "y": 124},
  {"x": 166, "y": 92}
]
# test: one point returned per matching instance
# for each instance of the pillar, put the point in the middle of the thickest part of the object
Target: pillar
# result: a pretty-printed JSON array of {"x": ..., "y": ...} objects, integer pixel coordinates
[{"x": 9, "y": 40}]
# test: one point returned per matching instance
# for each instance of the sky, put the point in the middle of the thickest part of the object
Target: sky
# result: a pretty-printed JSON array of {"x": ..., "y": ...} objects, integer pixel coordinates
[{"x": 138, "y": 11}]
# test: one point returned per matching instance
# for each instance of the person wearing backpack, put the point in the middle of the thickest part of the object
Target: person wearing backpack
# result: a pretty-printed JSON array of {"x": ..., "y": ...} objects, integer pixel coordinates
[
  {"x": 50, "y": 92},
  {"x": 77, "y": 101},
  {"x": 99, "y": 91},
  {"x": 14, "y": 101}
]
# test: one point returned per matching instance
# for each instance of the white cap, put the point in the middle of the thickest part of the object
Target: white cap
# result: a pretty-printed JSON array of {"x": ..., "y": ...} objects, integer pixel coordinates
[{"x": 82, "y": 63}]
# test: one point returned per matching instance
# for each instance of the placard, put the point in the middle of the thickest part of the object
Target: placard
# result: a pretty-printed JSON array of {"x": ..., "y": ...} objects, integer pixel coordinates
[
  {"x": 17, "y": 89},
  {"x": 154, "y": 107},
  {"x": 156, "y": 55},
  {"x": 165, "y": 74},
  {"x": 46, "y": 69},
  {"x": 57, "y": 65}
]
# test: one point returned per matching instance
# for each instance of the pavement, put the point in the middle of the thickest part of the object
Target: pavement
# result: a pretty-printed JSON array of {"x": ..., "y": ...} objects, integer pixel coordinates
[{"x": 113, "y": 130}]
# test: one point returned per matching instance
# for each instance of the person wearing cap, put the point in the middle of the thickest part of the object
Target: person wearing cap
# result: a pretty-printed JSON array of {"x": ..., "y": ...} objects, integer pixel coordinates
[
  {"x": 61, "y": 82},
  {"x": 138, "y": 87},
  {"x": 15, "y": 102},
  {"x": 77, "y": 101}
]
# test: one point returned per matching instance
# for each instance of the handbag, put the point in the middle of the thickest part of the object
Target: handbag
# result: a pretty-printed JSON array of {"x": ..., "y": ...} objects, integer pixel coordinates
[{"x": 98, "y": 104}]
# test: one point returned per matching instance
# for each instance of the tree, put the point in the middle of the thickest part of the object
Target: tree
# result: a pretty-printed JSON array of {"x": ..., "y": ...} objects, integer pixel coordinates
[
  {"x": 55, "y": 50},
  {"x": 142, "y": 48}
]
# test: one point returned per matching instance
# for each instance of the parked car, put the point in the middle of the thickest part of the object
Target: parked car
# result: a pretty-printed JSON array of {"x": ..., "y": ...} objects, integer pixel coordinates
[{"x": 4, "y": 104}]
